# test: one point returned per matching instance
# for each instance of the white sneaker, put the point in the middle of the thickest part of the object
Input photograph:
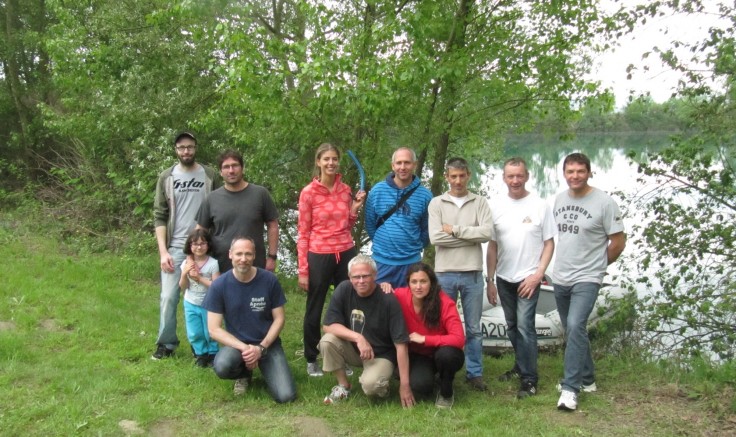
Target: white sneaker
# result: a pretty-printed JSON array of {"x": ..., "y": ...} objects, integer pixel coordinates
[
  {"x": 338, "y": 393},
  {"x": 240, "y": 387},
  {"x": 568, "y": 401},
  {"x": 586, "y": 388},
  {"x": 313, "y": 369},
  {"x": 348, "y": 371}
]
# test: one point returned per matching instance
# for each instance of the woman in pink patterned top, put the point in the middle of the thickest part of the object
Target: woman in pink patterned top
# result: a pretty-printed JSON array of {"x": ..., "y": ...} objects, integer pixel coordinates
[{"x": 327, "y": 213}]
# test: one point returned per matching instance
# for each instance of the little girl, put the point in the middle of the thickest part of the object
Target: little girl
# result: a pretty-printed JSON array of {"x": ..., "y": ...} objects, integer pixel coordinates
[{"x": 197, "y": 273}]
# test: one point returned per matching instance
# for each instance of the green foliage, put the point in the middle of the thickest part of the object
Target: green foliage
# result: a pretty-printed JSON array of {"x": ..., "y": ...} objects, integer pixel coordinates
[{"x": 686, "y": 250}]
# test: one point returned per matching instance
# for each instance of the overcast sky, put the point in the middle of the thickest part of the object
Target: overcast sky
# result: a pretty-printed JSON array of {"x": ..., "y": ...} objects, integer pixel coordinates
[{"x": 659, "y": 81}]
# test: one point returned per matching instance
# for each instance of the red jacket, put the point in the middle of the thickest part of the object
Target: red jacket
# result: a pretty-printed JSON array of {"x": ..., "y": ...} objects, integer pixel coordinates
[
  {"x": 448, "y": 333},
  {"x": 325, "y": 221}
]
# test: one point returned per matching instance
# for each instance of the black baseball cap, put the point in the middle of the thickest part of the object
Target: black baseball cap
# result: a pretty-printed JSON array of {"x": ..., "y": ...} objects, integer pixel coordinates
[{"x": 185, "y": 135}]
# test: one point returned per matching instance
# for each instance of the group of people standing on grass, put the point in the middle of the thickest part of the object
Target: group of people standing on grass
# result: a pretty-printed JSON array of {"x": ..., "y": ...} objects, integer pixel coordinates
[{"x": 389, "y": 313}]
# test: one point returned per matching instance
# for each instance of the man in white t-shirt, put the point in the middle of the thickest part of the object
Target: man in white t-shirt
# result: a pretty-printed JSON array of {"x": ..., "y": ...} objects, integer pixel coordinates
[
  {"x": 524, "y": 230},
  {"x": 591, "y": 236}
]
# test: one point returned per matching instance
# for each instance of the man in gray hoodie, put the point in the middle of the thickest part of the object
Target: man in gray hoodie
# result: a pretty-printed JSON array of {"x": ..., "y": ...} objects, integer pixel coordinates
[{"x": 180, "y": 191}]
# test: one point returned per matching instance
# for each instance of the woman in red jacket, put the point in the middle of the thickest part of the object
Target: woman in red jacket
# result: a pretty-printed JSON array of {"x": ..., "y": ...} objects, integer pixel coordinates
[
  {"x": 436, "y": 336},
  {"x": 327, "y": 213}
]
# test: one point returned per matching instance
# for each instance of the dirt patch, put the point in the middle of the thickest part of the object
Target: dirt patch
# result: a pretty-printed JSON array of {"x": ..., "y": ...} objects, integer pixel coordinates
[
  {"x": 130, "y": 427},
  {"x": 51, "y": 325},
  {"x": 651, "y": 411},
  {"x": 311, "y": 427},
  {"x": 165, "y": 428},
  {"x": 7, "y": 326}
]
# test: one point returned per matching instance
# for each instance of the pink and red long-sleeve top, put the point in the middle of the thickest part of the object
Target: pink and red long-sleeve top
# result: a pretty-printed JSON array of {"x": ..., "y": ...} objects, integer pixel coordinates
[
  {"x": 448, "y": 333},
  {"x": 325, "y": 221}
]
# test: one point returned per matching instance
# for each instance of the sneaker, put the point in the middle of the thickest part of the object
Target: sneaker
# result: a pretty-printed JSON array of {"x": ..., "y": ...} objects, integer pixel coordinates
[
  {"x": 202, "y": 361},
  {"x": 444, "y": 403},
  {"x": 509, "y": 375},
  {"x": 162, "y": 352},
  {"x": 240, "y": 387},
  {"x": 338, "y": 393},
  {"x": 589, "y": 388},
  {"x": 568, "y": 401},
  {"x": 348, "y": 371},
  {"x": 525, "y": 390},
  {"x": 211, "y": 360},
  {"x": 477, "y": 383},
  {"x": 314, "y": 370}
]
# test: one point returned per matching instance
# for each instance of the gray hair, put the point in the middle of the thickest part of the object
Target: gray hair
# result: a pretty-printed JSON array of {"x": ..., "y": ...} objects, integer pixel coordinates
[{"x": 362, "y": 259}]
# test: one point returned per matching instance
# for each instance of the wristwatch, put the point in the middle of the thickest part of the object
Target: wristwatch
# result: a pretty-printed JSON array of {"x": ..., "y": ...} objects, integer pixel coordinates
[
  {"x": 274, "y": 256},
  {"x": 264, "y": 350}
]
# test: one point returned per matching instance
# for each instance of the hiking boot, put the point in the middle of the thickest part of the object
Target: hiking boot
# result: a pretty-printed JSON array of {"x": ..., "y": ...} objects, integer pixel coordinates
[
  {"x": 477, "y": 383},
  {"x": 313, "y": 369},
  {"x": 509, "y": 375},
  {"x": 241, "y": 386},
  {"x": 589, "y": 388},
  {"x": 444, "y": 403},
  {"x": 162, "y": 352},
  {"x": 526, "y": 389},
  {"x": 568, "y": 401},
  {"x": 202, "y": 361},
  {"x": 338, "y": 393}
]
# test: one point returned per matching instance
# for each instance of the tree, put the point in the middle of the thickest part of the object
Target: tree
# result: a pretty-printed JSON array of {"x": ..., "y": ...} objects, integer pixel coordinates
[
  {"x": 690, "y": 242},
  {"x": 444, "y": 77}
]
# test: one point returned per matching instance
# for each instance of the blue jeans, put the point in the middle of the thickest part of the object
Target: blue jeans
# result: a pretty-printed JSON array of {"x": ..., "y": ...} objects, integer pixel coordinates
[
  {"x": 575, "y": 303},
  {"x": 520, "y": 317},
  {"x": 470, "y": 285},
  {"x": 396, "y": 275},
  {"x": 197, "y": 333},
  {"x": 170, "y": 301},
  {"x": 229, "y": 364}
]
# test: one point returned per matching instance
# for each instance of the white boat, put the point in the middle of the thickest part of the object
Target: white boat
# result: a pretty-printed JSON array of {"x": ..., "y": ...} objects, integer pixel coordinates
[{"x": 550, "y": 333}]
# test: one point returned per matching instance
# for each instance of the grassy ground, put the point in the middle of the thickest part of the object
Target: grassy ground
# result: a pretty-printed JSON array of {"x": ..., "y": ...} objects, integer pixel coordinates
[{"x": 77, "y": 332}]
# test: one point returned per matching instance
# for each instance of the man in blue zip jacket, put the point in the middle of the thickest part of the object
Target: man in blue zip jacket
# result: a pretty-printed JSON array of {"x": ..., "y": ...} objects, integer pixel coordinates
[{"x": 398, "y": 240}]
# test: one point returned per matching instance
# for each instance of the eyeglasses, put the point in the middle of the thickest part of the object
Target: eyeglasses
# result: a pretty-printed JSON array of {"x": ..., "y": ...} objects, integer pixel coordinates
[
  {"x": 360, "y": 277},
  {"x": 187, "y": 148},
  {"x": 203, "y": 243},
  {"x": 230, "y": 167}
]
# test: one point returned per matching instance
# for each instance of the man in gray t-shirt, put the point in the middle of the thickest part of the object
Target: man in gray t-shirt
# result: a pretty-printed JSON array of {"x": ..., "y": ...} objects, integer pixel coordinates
[
  {"x": 590, "y": 237},
  {"x": 179, "y": 192},
  {"x": 240, "y": 209}
]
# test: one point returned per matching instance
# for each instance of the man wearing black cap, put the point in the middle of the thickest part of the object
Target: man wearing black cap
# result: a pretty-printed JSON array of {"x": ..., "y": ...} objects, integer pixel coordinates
[{"x": 180, "y": 191}]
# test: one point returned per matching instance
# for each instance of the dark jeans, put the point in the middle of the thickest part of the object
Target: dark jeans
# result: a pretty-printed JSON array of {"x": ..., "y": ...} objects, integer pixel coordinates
[
  {"x": 520, "y": 316},
  {"x": 324, "y": 270},
  {"x": 446, "y": 362},
  {"x": 229, "y": 364}
]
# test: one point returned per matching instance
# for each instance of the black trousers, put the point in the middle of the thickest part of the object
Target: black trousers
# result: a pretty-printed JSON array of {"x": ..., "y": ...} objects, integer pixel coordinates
[
  {"x": 324, "y": 270},
  {"x": 446, "y": 362}
]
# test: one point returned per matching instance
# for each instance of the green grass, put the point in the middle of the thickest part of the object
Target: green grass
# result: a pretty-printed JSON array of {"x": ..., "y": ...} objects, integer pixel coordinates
[{"x": 78, "y": 330}]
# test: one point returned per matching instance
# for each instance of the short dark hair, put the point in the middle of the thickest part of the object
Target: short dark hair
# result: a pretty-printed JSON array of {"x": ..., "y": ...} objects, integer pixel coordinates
[
  {"x": 516, "y": 161},
  {"x": 577, "y": 158},
  {"x": 241, "y": 237},
  {"x": 229, "y": 154},
  {"x": 457, "y": 163},
  {"x": 196, "y": 235},
  {"x": 185, "y": 135}
]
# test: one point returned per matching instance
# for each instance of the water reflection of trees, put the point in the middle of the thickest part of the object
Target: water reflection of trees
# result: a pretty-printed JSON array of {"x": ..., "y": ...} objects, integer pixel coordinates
[{"x": 544, "y": 154}]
